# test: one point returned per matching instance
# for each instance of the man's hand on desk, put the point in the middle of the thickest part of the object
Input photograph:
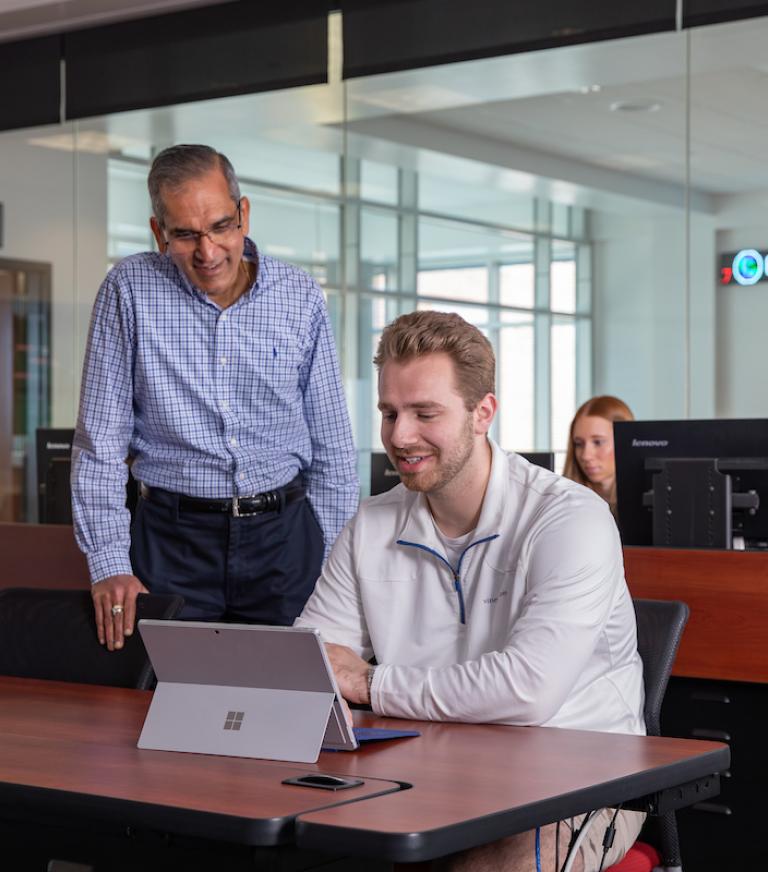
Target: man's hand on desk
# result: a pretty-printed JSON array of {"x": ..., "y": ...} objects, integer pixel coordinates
[
  {"x": 351, "y": 673},
  {"x": 114, "y": 602}
]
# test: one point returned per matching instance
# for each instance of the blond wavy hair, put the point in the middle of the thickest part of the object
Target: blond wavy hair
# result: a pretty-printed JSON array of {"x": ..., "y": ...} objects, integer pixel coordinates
[{"x": 419, "y": 333}]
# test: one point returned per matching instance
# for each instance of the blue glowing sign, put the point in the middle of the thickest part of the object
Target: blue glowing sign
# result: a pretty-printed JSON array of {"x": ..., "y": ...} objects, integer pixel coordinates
[{"x": 745, "y": 267}]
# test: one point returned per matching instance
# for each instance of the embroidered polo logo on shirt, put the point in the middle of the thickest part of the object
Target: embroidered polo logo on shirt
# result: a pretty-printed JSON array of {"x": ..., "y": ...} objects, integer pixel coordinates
[
  {"x": 234, "y": 720},
  {"x": 494, "y": 599}
]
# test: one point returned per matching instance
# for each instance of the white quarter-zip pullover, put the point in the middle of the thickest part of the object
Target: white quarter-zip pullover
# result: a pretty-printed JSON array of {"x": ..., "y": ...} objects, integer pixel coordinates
[{"x": 533, "y": 625}]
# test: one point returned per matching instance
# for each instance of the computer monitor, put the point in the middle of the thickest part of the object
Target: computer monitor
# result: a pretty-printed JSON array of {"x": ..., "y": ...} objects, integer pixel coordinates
[
  {"x": 693, "y": 484},
  {"x": 384, "y": 476},
  {"x": 54, "y": 453},
  {"x": 54, "y": 464},
  {"x": 545, "y": 459}
]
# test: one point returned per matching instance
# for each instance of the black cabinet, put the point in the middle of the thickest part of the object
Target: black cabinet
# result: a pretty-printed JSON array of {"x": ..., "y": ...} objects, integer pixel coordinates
[{"x": 729, "y": 831}]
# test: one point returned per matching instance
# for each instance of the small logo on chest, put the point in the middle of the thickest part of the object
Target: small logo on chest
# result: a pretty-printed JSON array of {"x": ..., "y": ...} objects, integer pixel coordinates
[{"x": 489, "y": 601}]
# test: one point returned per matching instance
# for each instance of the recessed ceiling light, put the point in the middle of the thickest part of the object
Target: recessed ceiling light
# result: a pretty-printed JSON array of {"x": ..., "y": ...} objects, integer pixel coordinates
[
  {"x": 635, "y": 106},
  {"x": 589, "y": 89}
]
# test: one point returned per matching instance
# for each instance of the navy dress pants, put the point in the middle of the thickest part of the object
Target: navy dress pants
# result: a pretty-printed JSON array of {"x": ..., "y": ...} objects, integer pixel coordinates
[{"x": 259, "y": 569}]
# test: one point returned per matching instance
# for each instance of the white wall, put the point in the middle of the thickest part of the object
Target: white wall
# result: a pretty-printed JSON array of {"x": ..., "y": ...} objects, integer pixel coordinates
[
  {"x": 55, "y": 211},
  {"x": 742, "y": 314},
  {"x": 640, "y": 314}
]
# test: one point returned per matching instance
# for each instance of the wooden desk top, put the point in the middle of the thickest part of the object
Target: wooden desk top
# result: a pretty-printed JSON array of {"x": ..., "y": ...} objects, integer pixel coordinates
[
  {"x": 474, "y": 783},
  {"x": 74, "y": 746}
]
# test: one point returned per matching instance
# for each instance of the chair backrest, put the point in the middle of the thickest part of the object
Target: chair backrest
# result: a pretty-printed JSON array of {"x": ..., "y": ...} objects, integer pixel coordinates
[
  {"x": 660, "y": 625},
  {"x": 51, "y": 634}
]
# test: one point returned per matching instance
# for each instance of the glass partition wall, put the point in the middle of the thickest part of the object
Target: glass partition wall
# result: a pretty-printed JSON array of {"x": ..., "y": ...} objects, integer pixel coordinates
[{"x": 574, "y": 203}]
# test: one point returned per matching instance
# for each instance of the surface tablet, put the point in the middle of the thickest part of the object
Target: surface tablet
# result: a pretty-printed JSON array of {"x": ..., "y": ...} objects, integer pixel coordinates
[{"x": 243, "y": 690}]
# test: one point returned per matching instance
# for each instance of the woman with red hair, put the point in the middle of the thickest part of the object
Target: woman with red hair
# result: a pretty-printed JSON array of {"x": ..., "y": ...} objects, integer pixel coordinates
[{"x": 590, "y": 460}]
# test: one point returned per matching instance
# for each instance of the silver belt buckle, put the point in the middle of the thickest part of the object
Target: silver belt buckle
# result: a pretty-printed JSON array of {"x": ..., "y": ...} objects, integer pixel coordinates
[{"x": 237, "y": 513}]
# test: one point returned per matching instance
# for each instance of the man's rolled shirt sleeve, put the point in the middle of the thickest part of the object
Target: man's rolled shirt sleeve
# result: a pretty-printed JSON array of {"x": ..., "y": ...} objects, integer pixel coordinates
[{"x": 102, "y": 436}]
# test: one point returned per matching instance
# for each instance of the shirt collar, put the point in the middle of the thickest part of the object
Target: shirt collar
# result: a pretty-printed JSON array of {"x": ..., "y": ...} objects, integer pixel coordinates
[
  {"x": 251, "y": 254},
  {"x": 419, "y": 526}
]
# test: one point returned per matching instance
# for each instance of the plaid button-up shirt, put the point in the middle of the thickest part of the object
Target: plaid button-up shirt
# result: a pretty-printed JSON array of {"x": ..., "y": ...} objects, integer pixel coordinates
[{"x": 209, "y": 402}]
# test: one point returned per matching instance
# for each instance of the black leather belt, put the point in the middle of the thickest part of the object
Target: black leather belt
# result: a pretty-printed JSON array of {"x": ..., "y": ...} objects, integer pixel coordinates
[{"x": 238, "y": 507}]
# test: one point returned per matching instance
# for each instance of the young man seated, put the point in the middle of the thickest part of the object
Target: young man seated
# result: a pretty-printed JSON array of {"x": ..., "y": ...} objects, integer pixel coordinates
[{"x": 487, "y": 589}]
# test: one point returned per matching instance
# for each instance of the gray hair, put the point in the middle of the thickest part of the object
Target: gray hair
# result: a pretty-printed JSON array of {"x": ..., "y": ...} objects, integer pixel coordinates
[{"x": 177, "y": 165}]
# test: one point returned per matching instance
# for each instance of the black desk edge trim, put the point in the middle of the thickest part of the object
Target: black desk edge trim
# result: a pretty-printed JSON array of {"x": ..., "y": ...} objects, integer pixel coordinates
[
  {"x": 421, "y": 846},
  {"x": 215, "y": 826}
]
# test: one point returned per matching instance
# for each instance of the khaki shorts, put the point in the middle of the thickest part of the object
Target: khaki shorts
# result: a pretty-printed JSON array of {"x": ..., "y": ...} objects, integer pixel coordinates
[{"x": 627, "y": 824}]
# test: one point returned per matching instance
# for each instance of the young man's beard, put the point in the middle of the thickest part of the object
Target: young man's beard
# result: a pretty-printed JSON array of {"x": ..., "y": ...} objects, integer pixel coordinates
[{"x": 446, "y": 466}]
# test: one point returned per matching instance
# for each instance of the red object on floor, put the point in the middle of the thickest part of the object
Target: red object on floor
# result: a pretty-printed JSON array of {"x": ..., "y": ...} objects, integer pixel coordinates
[{"x": 639, "y": 858}]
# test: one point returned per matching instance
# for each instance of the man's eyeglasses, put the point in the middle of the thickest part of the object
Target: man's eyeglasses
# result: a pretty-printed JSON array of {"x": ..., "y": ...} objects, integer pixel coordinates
[{"x": 219, "y": 234}]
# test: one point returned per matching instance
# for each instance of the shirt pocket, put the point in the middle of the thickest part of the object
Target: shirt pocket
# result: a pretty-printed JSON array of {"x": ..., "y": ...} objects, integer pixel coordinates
[{"x": 273, "y": 362}]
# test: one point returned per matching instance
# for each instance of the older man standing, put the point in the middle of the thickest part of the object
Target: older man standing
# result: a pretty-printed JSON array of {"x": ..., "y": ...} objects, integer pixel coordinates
[{"x": 213, "y": 367}]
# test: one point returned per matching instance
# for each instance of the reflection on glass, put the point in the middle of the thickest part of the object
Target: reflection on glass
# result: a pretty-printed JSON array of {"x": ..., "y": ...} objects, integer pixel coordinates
[
  {"x": 489, "y": 188},
  {"x": 453, "y": 244},
  {"x": 128, "y": 209},
  {"x": 378, "y": 250},
  {"x": 515, "y": 388},
  {"x": 273, "y": 156},
  {"x": 378, "y": 182},
  {"x": 474, "y": 199},
  {"x": 563, "y": 363},
  {"x": 561, "y": 219},
  {"x": 477, "y": 315},
  {"x": 562, "y": 277},
  {"x": 516, "y": 285},
  {"x": 462, "y": 283},
  {"x": 302, "y": 231},
  {"x": 374, "y": 314}
]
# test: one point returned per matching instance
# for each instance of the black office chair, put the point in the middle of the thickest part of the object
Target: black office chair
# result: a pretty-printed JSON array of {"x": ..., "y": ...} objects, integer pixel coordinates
[
  {"x": 660, "y": 625},
  {"x": 51, "y": 634}
]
